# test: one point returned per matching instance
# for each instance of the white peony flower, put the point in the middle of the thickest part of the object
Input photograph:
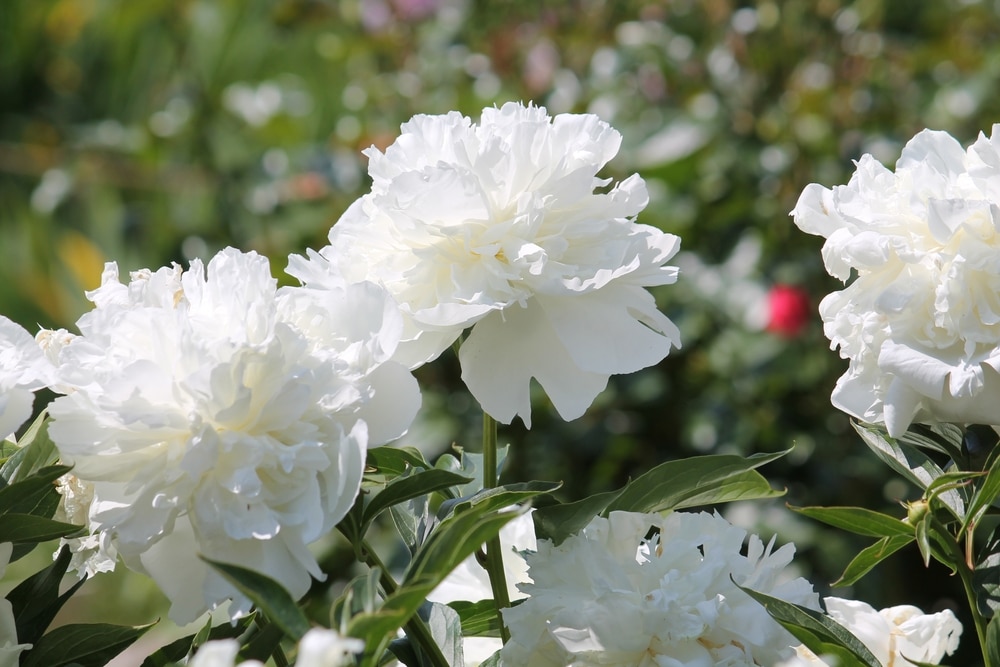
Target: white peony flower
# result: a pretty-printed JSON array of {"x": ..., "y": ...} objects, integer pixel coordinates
[
  {"x": 213, "y": 414},
  {"x": 23, "y": 371},
  {"x": 610, "y": 596},
  {"x": 319, "y": 647},
  {"x": 895, "y": 635},
  {"x": 470, "y": 581},
  {"x": 10, "y": 650},
  {"x": 498, "y": 227},
  {"x": 920, "y": 324}
]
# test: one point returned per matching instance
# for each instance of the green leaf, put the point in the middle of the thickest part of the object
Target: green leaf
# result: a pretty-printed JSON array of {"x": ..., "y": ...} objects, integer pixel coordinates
[
  {"x": 944, "y": 438},
  {"x": 359, "y": 597},
  {"x": 30, "y": 529},
  {"x": 84, "y": 644},
  {"x": 470, "y": 464},
  {"x": 413, "y": 521},
  {"x": 922, "y": 533},
  {"x": 35, "y": 494},
  {"x": 267, "y": 595},
  {"x": 37, "y": 451},
  {"x": 446, "y": 630},
  {"x": 911, "y": 463},
  {"x": 858, "y": 520},
  {"x": 412, "y": 484},
  {"x": 36, "y": 600},
  {"x": 984, "y": 494},
  {"x": 820, "y": 633},
  {"x": 870, "y": 557},
  {"x": 686, "y": 482},
  {"x": 557, "y": 522},
  {"x": 263, "y": 644},
  {"x": 497, "y": 498},
  {"x": 387, "y": 462},
  {"x": 986, "y": 578},
  {"x": 993, "y": 641},
  {"x": 179, "y": 649},
  {"x": 479, "y": 619}
]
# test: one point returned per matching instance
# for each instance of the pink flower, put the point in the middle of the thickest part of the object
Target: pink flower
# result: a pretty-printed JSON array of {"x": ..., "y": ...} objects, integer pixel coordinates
[{"x": 788, "y": 310}]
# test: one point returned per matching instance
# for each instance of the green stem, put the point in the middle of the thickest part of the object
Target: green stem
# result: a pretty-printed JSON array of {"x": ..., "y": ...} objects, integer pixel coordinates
[
  {"x": 970, "y": 593},
  {"x": 415, "y": 627},
  {"x": 494, "y": 552}
]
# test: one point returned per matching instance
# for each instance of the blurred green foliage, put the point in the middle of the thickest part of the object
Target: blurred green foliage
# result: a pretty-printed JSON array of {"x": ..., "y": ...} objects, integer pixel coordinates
[{"x": 150, "y": 132}]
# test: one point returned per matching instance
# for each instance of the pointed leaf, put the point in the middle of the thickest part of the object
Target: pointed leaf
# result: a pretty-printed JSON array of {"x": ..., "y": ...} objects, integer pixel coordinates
[
  {"x": 30, "y": 529},
  {"x": 36, "y": 600},
  {"x": 686, "y": 482},
  {"x": 557, "y": 522},
  {"x": 413, "y": 484},
  {"x": 985, "y": 493},
  {"x": 986, "y": 578},
  {"x": 37, "y": 451},
  {"x": 820, "y": 633},
  {"x": 389, "y": 462},
  {"x": 993, "y": 641},
  {"x": 85, "y": 644},
  {"x": 911, "y": 463},
  {"x": 177, "y": 650},
  {"x": 267, "y": 595},
  {"x": 870, "y": 557},
  {"x": 33, "y": 494},
  {"x": 488, "y": 500},
  {"x": 858, "y": 520},
  {"x": 479, "y": 619}
]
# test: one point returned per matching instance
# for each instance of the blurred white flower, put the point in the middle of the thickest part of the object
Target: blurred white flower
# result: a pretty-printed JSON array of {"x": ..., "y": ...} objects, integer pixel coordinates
[
  {"x": 498, "y": 227},
  {"x": 23, "y": 371},
  {"x": 215, "y": 415},
  {"x": 10, "y": 650},
  {"x": 920, "y": 324},
  {"x": 470, "y": 581},
  {"x": 610, "y": 596},
  {"x": 319, "y": 647},
  {"x": 895, "y": 635}
]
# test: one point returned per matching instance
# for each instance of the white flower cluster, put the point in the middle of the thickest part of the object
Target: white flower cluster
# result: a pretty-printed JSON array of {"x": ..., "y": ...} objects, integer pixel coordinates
[
  {"x": 895, "y": 636},
  {"x": 653, "y": 591},
  {"x": 211, "y": 413},
  {"x": 920, "y": 323},
  {"x": 318, "y": 648},
  {"x": 498, "y": 227}
]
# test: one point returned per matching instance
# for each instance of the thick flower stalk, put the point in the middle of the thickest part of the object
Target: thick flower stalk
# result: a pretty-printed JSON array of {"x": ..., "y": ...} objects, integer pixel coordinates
[
  {"x": 895, "y": 635},
  {"x": 23, "y": 371},
  {"x": 920, "y": 323},
  {"x": 502, "y": 227},
  {"x": 210, "y": 413},
  {"x": 613, "y": 596}
]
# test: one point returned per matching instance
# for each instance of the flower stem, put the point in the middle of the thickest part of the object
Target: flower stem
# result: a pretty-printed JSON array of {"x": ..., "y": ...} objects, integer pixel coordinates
[
  {"x": 494, "y": 552},
  {"x": 415, "y": 627},
  {"x": 970, "y": 592}
]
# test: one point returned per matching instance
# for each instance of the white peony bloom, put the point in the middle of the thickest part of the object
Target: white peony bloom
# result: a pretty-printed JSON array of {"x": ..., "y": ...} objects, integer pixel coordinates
[
  {"x": 470, "y": 581},
  {"x": 319, "y": 647},
  {"x": 23, "y": 371},
  {"x": 10, "y": 650},
  {"x": 498, "y": 227},
  {"x": 212, "y": 414},
  {"x": 920, "y": 324},
  {"x": 894, "y": 635},
  {"x": 610, "y": 596}
]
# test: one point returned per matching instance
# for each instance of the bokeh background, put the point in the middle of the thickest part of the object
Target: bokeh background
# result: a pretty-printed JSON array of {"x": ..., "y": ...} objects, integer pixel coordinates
[{"x": 158, "y": 131}]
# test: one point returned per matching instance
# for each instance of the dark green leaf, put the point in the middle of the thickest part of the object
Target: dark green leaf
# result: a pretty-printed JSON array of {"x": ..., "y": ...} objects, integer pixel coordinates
[
  {"x": 944, "y": 438},
  {"x": 267, "y": 595},
  {"x": 412, "y": 484},
  {"x": 264, "y": 643},
  {"x": 820, "y": 633},
  {"x": 497, "y": 498},
  {"x": 30, "y": 529},
  {"x": 688, "y": 482},
  {"x": 911, "y": 463},
  {"x": 985, "y": 492},
  {"x": 986, "y": 578},
  {"x": 390, "y": 462},
  {"x": 470, "y": 464},
  {"x": 557, "y": 522},
  {"x": 870, "y": 557},
  {"x": 858, "y": 520},
  {"x": 413, "y": 521},
  {"x": 36, "y": 600},
  {"x": 922, "y": 534},
  {"x": 179, "y": 649},
  {"x": 35, "y": 494},
  {"x": 361, "y": 596},
  {"x": 86, "y": 645},
  {"x": 993, "y": 641},
  {"x": 479, "y": 619},
  {"x": 37, "y": 451}
]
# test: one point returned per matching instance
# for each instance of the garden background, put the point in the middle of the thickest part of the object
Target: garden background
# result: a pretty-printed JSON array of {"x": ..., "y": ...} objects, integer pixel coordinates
[{"x": 158, "y": 131}]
